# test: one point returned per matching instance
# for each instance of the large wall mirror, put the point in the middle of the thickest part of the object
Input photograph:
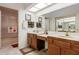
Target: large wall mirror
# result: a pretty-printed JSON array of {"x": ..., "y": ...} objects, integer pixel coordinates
[{"x": 65, "y": 24}]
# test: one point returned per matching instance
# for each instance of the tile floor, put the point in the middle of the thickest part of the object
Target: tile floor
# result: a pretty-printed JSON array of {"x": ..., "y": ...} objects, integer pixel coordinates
[{"x": 7, "y": 49}]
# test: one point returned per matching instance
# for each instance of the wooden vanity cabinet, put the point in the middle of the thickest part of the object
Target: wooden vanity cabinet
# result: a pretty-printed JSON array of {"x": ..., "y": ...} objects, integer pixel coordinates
[
  {"x": 32, "y": 40},
  {"x": 56, "y": 45},
  {"x": 52, "y": 48},
  {"x": 61, "y": 46}
]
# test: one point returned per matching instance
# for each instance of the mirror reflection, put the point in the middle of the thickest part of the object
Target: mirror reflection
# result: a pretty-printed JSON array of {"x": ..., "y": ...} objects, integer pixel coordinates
[{"x": 65, "y": 24}]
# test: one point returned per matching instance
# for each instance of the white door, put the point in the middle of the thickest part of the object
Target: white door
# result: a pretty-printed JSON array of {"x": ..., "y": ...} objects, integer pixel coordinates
[{"x": 0, "y": 29}]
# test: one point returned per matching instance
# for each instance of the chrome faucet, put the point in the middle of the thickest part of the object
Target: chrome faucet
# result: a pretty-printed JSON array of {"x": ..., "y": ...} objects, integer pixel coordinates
[
  {"x": 67, "y": 33},
  {"x": 45, "y": 32}
]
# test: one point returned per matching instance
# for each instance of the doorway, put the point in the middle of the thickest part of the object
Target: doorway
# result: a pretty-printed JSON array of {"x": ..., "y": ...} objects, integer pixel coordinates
[{"x": 9, "y": 27}]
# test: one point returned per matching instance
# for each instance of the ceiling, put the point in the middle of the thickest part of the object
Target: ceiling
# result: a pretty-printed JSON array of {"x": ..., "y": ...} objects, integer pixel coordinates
[
  {"x": 68, "y": 11},
  {"x": 16, "y": 6}
]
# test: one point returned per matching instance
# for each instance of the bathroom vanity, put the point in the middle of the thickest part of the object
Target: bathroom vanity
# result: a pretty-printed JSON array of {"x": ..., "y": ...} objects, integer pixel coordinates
[
  {"x": 57, "y": 44},
  {"x": 62, "y": 46}
]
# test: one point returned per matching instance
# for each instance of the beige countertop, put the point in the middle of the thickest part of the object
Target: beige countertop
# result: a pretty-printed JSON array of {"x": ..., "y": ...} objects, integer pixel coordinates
[
  {"x": 42, "y": 35},
  {"x": 70, "y": 37},
  {"x": 75, "y": 38}
]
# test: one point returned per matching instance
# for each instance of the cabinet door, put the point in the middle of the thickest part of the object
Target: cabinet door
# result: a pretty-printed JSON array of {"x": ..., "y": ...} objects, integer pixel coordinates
[
  {"x": 29, "y": 39},
  {"x": 75, "y": 46},
  {"x": 34, "y": 41},
  {"x": 65, "y": 51},
  {"x": 53, "y": 50}
]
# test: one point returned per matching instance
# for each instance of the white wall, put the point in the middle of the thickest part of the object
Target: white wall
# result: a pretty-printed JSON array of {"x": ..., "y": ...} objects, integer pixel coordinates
[{"x": 22, "y": 35}]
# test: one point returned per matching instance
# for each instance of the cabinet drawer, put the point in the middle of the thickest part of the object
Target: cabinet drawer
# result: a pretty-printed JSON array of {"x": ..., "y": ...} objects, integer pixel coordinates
[
  {"x": 62, "y": 43},
  {"x": 53, "y": 50},
  {"x": 68, "y": 52}
]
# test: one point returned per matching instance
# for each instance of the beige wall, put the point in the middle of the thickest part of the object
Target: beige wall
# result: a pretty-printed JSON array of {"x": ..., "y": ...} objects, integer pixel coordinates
[
  {"x": 0, "y": 28},
  {"x": 8, "y": 17}
]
